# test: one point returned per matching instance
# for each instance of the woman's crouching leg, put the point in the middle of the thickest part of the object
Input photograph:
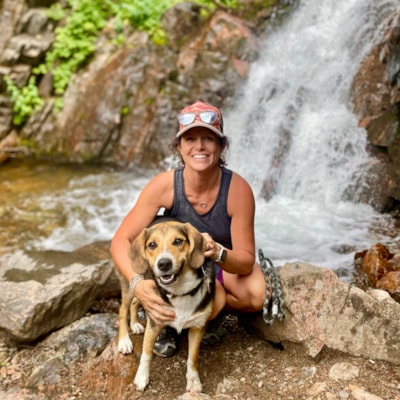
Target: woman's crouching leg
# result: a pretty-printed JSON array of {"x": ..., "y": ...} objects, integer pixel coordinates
[{"x": 245, "y": 292}]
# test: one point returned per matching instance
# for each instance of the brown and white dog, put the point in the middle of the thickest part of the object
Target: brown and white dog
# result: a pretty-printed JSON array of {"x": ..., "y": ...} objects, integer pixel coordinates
[{"x": 173, "y": 253}]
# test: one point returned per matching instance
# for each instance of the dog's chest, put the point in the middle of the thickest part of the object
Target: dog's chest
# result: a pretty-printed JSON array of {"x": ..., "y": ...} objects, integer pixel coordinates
[{"x": 186, "y": 315}]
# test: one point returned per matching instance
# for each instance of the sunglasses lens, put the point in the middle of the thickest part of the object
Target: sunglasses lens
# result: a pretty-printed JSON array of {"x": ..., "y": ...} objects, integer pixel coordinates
[
  {"x": 208, "y": 117},
  {"x": 186, "y": 119}
]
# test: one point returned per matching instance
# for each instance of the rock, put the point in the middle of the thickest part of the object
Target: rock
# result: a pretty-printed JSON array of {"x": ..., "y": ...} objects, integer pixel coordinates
[
  {"x": 361, "y": 394},
  {"x": 88, "y": 335},
  {"x": 374, "y": 263},
  {"x": 26, "y": 49},
  {"x": 47, "y": 373},
  {"x": 7, "y": 143},
  {"x": 200, "y": 396},
  {"x": 21, "y": 394},
  {"x": 43, "y": 291},
  {"x": 344, "y": 371},
  {"x": 179, "y": 22},
  {"x": 11, "y": 13},
  {"x": 322, "y": 311},
  {"x": 20, "y": 74},
  {"x": 35, "y": 22},
  {"x": 378, "y": 268},
  {"x": 375, "y": 95},
  {"x": 391, "y": 283},
  {"x": 119, "y": 370},
  {"x": 86, "y": 338}
]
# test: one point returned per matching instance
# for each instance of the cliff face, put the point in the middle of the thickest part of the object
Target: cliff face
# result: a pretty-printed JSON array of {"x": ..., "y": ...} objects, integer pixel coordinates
[
  {"x": 122, "y": 106},
  {"x": 375, "y": 94}
]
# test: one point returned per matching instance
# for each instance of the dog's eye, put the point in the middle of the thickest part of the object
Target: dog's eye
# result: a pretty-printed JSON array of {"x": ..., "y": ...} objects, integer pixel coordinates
[
  {"x": 152, "y": 245},
  {"x": 178, "y": 241}
]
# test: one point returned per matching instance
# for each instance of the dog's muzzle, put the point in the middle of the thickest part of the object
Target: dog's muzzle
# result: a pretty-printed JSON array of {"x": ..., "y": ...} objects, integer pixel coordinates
[{"x": 165, "y": 269}]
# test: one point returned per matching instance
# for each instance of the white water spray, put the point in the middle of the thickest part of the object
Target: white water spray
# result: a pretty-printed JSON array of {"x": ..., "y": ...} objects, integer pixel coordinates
[{"x": 293, "y": 131}]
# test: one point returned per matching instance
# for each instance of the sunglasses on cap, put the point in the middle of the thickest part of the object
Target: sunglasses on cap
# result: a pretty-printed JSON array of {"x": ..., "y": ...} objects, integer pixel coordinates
[{"x": 208, "y": 117}]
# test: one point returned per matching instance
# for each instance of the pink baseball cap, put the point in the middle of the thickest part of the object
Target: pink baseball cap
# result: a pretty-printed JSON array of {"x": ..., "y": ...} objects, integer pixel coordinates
[{"x": 200, "y": 114}]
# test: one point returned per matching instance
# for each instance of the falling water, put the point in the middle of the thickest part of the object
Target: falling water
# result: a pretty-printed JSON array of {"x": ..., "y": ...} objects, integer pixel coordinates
[{"x": 293, "y": 136}]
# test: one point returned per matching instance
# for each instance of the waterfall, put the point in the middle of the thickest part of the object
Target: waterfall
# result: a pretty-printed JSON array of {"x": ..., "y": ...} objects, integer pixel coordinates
[{"x": 294, "y": 136}]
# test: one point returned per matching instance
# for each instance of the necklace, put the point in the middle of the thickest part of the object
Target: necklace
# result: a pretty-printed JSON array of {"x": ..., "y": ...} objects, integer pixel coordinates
[{"x": 204, "y": 204}]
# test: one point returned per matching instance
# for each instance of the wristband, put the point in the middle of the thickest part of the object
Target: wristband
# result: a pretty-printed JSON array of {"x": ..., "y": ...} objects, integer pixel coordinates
[{"x": 134, "y": 281}]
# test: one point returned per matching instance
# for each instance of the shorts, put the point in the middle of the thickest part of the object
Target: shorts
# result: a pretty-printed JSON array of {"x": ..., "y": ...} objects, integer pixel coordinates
[{"x": 218, "y": 273}]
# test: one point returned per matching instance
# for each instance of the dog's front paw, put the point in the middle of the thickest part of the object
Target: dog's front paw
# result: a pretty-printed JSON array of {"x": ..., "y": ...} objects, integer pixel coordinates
[
  {"x": 141, "y": 379},
  {"x": 137, "y": 328},
  {"x": 125, "y": 345},
  {"x": 193, "y": 384}
]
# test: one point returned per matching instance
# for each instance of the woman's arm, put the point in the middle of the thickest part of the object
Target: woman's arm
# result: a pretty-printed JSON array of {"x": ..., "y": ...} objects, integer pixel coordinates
[
  {"x": 241, "y": 208},
  {"x": 156, "y": 194}
]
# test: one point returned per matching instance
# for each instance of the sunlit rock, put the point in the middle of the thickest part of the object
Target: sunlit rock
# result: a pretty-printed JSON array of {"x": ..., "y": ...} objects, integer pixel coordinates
[
  {"x": 43, "y": 291},
  {"x": 322, "y": 311},
  {"x": 378, "y": 268}
]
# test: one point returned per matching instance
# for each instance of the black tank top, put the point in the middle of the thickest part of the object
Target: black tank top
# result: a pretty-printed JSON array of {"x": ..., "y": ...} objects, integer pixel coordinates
[{"x": 216, "y": 222}]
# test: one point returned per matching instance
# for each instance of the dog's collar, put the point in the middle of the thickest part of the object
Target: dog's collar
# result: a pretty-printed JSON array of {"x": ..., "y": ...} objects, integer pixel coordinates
[{"x": 204, "y": 279}]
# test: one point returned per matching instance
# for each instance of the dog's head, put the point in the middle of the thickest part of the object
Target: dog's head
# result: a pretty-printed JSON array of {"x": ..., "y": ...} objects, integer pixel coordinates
[{"x": 169, "y": 249}]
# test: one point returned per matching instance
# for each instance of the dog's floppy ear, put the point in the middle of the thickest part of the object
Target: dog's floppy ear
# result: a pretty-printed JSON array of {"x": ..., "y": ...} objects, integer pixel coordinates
[
  {"x": 197, "y": 246},
  {"x": 139, "y": 262}
]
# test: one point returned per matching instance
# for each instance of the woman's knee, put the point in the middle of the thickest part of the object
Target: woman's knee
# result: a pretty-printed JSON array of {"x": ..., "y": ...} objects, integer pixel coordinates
[
  {"x": 246, "y": 293},
  {"x": 256, "y": 295},
  {"x": 257, "y": 300}
]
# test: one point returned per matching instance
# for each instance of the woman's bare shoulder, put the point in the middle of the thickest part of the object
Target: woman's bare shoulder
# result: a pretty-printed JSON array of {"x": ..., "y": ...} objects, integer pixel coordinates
[
  {"x": 163, "y": 179},
  {"x": 160, "y": 188},
  {"x": 238, "y": 183},
  {"x": 240, "y": 197}
]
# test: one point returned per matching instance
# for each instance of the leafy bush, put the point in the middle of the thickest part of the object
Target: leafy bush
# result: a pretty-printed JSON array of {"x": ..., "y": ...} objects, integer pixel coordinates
[{"x": 26, "y": 100}]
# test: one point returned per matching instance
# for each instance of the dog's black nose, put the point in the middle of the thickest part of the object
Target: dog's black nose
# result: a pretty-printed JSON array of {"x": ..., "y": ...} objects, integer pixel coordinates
[{"x": 164, "y": 264}]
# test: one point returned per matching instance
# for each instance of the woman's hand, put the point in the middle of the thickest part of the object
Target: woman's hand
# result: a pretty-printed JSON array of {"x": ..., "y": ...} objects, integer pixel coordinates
[
  {"x": 156, "y": 308},
  {"x": 212, "y": 248}
]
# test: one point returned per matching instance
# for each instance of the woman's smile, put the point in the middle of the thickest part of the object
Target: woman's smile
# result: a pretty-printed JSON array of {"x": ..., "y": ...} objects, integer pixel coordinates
[{"x": 199, "y": 145}]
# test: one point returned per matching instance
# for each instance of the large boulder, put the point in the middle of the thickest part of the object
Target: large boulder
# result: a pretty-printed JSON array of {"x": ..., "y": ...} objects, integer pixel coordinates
[
  {"x": 323, "y": 311},
  {"x": 43, "y": 291}
]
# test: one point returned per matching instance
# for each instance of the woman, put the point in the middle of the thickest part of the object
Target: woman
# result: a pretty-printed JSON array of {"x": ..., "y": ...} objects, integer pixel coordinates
[{"x": 215, "y": 200}]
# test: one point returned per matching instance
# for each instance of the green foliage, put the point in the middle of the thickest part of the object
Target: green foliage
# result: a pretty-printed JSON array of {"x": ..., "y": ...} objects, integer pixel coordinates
[
  {"x": 233, "y": 4},
  {"x": 124, "y": 111},
  {"x": 142, "y": 14},
  {"x": 75, "y": 41},
  {"x": 26, "y": 100},
  {"x": 56, "y": 12}
]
